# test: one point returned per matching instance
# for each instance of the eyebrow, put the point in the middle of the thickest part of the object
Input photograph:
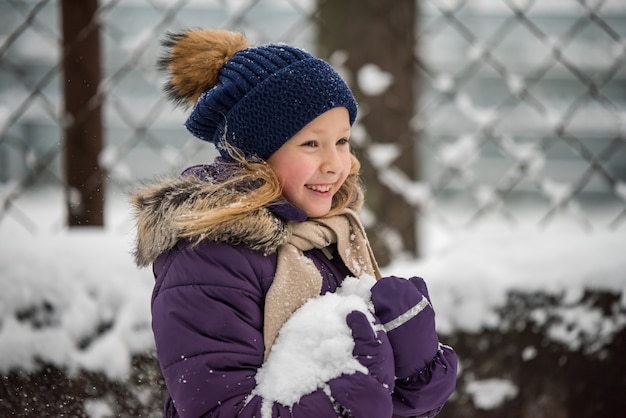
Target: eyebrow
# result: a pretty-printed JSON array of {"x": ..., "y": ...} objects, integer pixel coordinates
[{"x": 344, "y": 131}]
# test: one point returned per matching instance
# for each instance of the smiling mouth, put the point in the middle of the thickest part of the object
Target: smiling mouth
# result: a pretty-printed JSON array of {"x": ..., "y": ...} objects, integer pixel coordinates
[{"x": 320, "y": 188}]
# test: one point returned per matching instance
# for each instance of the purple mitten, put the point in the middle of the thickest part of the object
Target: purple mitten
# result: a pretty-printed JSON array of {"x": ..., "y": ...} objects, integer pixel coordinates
[
  {"x": 366, "y": 395},
  {"x": 409, "y": 319}
]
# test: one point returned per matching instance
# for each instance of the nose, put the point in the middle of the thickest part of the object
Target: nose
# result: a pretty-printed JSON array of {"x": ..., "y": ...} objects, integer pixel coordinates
[{"x": 332, "y": 162}]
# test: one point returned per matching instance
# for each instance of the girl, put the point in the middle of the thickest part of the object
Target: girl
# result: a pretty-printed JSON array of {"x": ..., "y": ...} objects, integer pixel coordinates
[{"x": 268, "y": 301}]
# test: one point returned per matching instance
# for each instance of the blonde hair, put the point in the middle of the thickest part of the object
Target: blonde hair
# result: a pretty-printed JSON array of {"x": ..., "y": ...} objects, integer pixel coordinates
[{"x": 254, "y": 185}]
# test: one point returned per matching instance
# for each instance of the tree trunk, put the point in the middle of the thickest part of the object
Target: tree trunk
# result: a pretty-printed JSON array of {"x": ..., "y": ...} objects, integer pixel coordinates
[
  {"x": 83, "y": 120},
  {"x": 381, "y": 33}
]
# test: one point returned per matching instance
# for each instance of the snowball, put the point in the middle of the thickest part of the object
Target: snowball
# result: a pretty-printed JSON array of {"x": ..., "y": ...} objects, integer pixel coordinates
[{"x": 314, "y": 346}]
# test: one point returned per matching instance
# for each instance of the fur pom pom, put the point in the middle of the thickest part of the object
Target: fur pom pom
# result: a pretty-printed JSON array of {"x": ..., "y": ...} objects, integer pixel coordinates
[{"x": 193, "y": 60}]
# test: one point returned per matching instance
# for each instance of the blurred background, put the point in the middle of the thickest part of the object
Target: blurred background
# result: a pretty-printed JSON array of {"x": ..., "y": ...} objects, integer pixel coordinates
[{"x": 492, "y": 135}]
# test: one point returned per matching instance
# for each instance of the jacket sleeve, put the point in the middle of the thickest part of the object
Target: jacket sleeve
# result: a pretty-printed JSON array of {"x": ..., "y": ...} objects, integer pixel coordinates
[{"x": 207, "y": 313}]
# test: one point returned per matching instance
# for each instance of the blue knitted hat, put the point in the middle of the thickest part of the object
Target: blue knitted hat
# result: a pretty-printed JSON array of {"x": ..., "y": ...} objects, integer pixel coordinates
[{"x": 261, "y": 96}]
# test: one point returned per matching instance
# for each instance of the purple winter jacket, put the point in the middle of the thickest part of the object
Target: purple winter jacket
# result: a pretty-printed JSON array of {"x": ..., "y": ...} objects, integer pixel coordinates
[{"x": 207, "y": 318}]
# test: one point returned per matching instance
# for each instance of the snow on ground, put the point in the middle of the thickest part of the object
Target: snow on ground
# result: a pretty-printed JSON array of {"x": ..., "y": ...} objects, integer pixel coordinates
[
  {"x": 66, "y": 287},
  {"x": 471, "y": 270},
  {"x": 75, "y": 298}
]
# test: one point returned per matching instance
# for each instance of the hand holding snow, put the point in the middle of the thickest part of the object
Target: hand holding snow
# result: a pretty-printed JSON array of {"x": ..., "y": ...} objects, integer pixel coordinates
[{"x": 314, "y": 346}]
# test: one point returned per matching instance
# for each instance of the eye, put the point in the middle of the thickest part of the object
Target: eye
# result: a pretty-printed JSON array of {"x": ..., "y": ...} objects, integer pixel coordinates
[
  {"x": 343, "y": 141},
  {"x": 309, "y": 144}
]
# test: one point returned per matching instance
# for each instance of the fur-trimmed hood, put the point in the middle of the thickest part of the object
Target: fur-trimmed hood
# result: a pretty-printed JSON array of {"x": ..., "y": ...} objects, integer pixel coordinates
[{"x": 160, "y": 204}]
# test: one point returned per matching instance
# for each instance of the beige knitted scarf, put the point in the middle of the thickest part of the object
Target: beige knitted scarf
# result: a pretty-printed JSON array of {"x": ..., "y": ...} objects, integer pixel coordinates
[{"x": 298, "y": 280}]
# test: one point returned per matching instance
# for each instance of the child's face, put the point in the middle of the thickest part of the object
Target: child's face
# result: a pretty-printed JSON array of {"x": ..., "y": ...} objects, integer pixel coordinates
[{"x": 315, "y": 162}]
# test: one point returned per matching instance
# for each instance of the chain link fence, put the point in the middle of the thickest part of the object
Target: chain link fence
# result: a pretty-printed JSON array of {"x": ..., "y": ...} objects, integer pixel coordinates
[
  {"x": 521, "y": 114},
  {"x": 523, "y": 108}
]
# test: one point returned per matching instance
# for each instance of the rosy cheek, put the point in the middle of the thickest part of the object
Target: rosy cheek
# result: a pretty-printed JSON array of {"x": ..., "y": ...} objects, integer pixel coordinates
[{"x": 340, "y": 183}]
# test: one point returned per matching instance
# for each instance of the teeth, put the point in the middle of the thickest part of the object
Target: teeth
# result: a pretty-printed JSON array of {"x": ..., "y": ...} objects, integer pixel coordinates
[{"x": 320, "y": 188}]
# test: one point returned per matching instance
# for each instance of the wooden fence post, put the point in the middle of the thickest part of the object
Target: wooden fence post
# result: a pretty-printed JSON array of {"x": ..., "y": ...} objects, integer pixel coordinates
[
  {"x": 382, "y": 33},
  {"x": 83, "y": 119}
]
